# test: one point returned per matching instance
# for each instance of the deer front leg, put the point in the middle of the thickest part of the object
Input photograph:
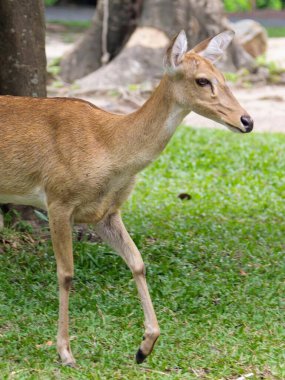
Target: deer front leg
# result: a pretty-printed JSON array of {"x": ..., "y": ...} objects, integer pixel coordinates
[
  {"x": 61, "y": 234},
  {"x": 113, "y": 232}
]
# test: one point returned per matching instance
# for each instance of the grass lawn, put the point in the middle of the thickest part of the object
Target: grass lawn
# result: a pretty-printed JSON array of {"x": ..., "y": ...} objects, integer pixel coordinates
[
  {"x": 276, "y": 31},
  {"x": 73, "y": 25},
  {"x": 215, "y": 268}
]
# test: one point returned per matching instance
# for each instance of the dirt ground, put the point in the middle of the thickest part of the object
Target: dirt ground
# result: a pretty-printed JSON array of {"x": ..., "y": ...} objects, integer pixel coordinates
[{"x": 265, "y": 104}]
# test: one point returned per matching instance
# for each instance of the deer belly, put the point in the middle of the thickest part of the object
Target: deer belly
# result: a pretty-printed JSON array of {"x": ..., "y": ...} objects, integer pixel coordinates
[
  {"x": 106, "y": 202},
  {"x": 94, "y": 211},
  {"x": 36, "y": 197}
]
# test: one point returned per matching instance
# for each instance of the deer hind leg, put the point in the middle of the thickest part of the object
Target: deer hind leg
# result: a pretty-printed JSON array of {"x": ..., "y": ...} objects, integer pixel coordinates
[
  {"x": 113, "y": 232},
  {"x": 61, "y": 234}
]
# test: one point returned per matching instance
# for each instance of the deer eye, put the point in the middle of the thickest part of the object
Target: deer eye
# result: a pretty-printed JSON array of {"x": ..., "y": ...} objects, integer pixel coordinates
[{"x": 203, "y": 82}]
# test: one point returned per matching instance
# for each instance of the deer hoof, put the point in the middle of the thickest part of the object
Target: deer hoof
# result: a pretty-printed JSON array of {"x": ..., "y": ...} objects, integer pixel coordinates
[{"x": 140, "y": 356}]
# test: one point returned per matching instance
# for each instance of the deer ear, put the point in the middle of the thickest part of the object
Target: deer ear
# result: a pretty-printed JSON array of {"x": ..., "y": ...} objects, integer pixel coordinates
[
  {"x": 214, "y": 47},
  {"x": 175, "y": 52}
]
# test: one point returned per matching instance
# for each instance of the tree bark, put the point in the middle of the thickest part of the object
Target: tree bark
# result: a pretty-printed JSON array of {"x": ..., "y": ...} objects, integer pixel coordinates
[
  {"x": 22, "y": 48},
  {"x": 199, "y": 18},
  {"x": 113, "y": 23},
  {"x": 22, "y": 57}
]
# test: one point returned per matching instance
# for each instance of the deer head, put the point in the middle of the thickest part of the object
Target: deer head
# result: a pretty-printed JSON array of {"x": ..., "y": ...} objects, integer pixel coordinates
[{"x": 200, "y": 86}]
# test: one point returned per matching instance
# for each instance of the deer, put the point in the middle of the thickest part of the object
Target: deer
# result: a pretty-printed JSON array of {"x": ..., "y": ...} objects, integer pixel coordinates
[{"x": 79, "y": 162}]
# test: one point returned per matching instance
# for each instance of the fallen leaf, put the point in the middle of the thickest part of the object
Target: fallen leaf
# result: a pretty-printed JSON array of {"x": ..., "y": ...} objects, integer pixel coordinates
[{"x": 184, "y": 196}]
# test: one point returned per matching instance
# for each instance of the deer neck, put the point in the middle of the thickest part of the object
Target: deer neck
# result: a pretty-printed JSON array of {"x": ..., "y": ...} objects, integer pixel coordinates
[{"x": 153, "y": 125}]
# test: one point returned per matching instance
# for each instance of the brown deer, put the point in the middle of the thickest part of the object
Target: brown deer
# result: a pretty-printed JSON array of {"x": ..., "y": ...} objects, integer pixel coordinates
[{"x": 79, "y": 162}]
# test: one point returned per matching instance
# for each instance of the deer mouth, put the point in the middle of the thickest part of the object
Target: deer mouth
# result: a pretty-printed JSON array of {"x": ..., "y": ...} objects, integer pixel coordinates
[
  {"x": 234, "y": 128},
  {"x": 246, "y": 124}
]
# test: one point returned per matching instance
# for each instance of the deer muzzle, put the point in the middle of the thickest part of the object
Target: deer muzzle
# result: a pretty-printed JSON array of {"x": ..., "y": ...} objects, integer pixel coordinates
[{"x": 247, "y": 123}]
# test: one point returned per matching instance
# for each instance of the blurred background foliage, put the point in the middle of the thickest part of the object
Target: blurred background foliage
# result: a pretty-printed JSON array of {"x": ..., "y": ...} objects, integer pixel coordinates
[
  {"x": 230, "y": 5},
  {"x": 248, "y": 5}
]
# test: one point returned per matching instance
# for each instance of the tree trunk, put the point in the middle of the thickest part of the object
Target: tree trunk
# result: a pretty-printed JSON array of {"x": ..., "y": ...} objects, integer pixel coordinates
[
  {"x": 22, "y": 57},
  {"x": 22, "y": 48},
  {"x": 113, "y": 23},
  {"x": 199, "y": 18}
]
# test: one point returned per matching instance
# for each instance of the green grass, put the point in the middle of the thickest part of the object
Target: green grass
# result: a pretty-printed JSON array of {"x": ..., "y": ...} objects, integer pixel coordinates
[
  {"x": 276, "y": 31},
  {"x": 73, "y": 25},
  {"x": 215, "y": 268}
]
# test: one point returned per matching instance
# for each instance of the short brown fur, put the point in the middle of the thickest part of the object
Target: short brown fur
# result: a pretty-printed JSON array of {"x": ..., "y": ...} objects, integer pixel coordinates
[{"x": 79, "y": 163}]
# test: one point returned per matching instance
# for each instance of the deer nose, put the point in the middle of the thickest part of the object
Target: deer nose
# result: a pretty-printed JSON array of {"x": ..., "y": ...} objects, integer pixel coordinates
[{"x": 247, "y": 122}]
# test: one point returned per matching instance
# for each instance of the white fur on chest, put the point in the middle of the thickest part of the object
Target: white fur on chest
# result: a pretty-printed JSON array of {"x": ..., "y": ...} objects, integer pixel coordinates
[{"x": 36, "y": 197}]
